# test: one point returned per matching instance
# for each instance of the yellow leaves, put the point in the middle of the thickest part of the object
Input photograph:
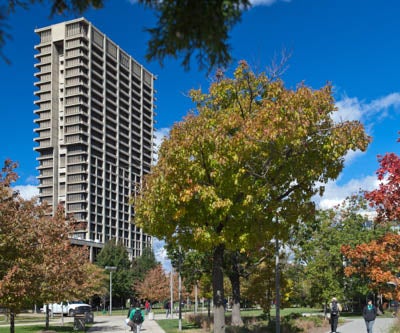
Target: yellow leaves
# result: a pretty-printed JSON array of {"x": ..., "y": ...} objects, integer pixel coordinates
[
  {"x": 203, "y": 237},
  {"x": 249, "y": 199},
  {"x": 221, "y": 204},
  {"x": 251, "y": 146},
  {"x": 187, "y": 194}
]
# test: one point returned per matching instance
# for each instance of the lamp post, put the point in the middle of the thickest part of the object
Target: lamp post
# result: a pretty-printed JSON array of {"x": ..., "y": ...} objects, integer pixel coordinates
[
  {"x": 277, "y": 288},
  {"x": 180, "y": 290},
  {"x": 277, "y": 276},
  {"x": 111, "y": 269}
]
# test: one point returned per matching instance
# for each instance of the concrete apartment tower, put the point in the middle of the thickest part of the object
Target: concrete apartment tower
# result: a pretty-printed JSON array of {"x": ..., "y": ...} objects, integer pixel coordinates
[{"x": 95, "y": 129}]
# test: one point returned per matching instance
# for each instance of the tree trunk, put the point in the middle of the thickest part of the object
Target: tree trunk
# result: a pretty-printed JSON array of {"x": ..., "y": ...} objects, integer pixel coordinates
[
  {"x": 218, "y": 289},
  {"x": 47, "y": 316},
  {"x": 12, "y": 322},
  {"x": 234, "y": 277}
]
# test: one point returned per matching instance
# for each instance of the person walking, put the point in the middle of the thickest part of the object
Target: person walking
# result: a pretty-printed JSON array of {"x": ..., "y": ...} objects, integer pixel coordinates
[
  {"x": 335, "y": 309},
  {"x": 147, "y": 306},
  {"x": 369, "y": 314},
  {"x": 167, "y": 308},
  {"x": 136, "y": 318}
]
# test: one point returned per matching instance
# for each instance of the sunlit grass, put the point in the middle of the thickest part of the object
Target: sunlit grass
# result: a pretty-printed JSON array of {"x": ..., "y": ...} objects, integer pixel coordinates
[
  {"x": 36, "y": 328},
  {"x": 172, "y": 326}
]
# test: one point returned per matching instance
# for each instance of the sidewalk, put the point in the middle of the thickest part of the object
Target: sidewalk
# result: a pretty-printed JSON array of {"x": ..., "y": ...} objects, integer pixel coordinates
[
  {"x": 381, "y": 325},
  {"x": 117, "y": 324}
]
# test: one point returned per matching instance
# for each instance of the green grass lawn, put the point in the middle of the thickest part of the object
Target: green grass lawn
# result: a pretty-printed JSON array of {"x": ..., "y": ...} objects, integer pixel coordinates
[
  {"x": 35, "y": 323},
  {"x": 171, "y": 326},
  {"x": 68, "y": 327}
]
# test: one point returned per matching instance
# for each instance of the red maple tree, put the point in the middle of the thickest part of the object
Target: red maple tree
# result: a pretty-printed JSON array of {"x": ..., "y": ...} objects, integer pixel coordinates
[{"x": 378, "y": 261}]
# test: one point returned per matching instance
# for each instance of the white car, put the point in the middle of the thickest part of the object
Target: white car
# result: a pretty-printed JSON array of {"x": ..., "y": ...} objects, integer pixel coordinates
[{"x": 69, "y": 308}]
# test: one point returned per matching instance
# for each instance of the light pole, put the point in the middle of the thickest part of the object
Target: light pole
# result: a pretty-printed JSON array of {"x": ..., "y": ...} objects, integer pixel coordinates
[
  {"x": 277, "y": 277},
  {"x": 111, "y": 269},
  {"x": 180, "y": 290},
  {"x": 277, "y": 288}
]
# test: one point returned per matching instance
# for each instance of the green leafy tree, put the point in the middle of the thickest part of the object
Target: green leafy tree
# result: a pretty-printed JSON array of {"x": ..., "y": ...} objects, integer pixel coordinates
[
  {"x": 183, "y": 27},
  {"x": 114, "y": 254},
  {"x": 318, "y": 246},
  {"x": 193, "y": 267},
  {"x": 242, "y": 168},
  {"x": 300, "y": 291},
  {"x": 260, "y": 285},
  {"x": 146, "y": 262}
]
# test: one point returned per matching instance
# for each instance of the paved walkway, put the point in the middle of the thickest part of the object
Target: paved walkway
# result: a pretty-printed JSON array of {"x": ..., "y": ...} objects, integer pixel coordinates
[
  {"x": 381, "y": 325},
  {"x": 117, "y": 324}
]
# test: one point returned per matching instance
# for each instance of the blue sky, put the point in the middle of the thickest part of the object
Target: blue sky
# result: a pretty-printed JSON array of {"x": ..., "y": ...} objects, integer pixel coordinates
[{"x": 352, "y": 44}]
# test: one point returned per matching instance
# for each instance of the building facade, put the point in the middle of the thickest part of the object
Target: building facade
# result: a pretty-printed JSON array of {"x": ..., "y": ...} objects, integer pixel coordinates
[{"x": 94, "y": 135}]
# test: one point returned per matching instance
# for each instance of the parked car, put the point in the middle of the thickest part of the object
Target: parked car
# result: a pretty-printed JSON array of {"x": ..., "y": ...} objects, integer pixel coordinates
[{"x": 69, "y": 308}]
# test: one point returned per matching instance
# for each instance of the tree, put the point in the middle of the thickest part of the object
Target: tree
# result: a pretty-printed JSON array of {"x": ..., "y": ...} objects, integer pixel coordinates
[
  {"x": 115, "y": 254},
  {"x": 378, "y": 261},
  {"x": 243, "y": 168},
  {"x": 184, "y": 27},
  {"x": 17, "y": 240},
  {"x": 37, "y": 261},
  {"x": 155, "y": 287},
  {"x": 141, "y": 265},
  {"x": 317, "y": 247},
  {"x": 180, "y": 29},
  {"x": 386, "y": 198},
  {"x": 65, "y": 272},
  {"x": 260, "y": 284}
]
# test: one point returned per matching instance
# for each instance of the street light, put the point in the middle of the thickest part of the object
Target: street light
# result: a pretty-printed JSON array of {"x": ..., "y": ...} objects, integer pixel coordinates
[
  {"x": 277, "y": 288},
  {"x": 180, "y": 290},
  {"x": 111, "y": 269}
]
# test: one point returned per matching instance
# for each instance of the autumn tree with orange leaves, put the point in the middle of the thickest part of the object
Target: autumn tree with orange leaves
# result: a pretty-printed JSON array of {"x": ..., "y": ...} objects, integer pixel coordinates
[
  {"x": 156, "y": 286},
  {"x": 37, "y": 261},
  {"x": 378, "y": 261}
]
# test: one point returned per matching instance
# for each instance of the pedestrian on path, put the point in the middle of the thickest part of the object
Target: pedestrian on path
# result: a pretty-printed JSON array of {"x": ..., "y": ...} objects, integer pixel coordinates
[
  {"x": 334, "y": 308},
  {"x": 167, "y": 308},
  {"x": 136, "y": 318},
  {"x": 369, "y": 314}
]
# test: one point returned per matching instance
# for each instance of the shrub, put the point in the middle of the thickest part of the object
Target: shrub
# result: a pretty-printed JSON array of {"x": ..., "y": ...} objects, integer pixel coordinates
[{"x": 200, "y": 320}]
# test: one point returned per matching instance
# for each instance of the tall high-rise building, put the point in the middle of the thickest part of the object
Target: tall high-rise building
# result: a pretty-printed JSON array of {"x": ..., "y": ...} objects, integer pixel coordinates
[{"x": 95, "y": 129}]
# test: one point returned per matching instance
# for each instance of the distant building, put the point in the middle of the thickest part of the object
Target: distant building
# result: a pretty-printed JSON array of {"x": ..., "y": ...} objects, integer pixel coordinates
[{"x": 95, "y": 129}]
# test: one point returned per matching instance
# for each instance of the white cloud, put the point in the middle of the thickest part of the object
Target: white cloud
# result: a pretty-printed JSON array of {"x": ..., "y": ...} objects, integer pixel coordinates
[
  {"x": 348, "y": 109},
  {"x": 161, "y": 254},
  {"x": 27, "y": 191},
  {"x": 382, "y": 105},
  {"x": 352, "y": 156},
  {"x": 335, "y": 194},
  {"x": 351, "y": 108},
  {"x": 253, "y": 2},
  {"x": 160, "y": 135},
  {"x": 266, "y": 2}
]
